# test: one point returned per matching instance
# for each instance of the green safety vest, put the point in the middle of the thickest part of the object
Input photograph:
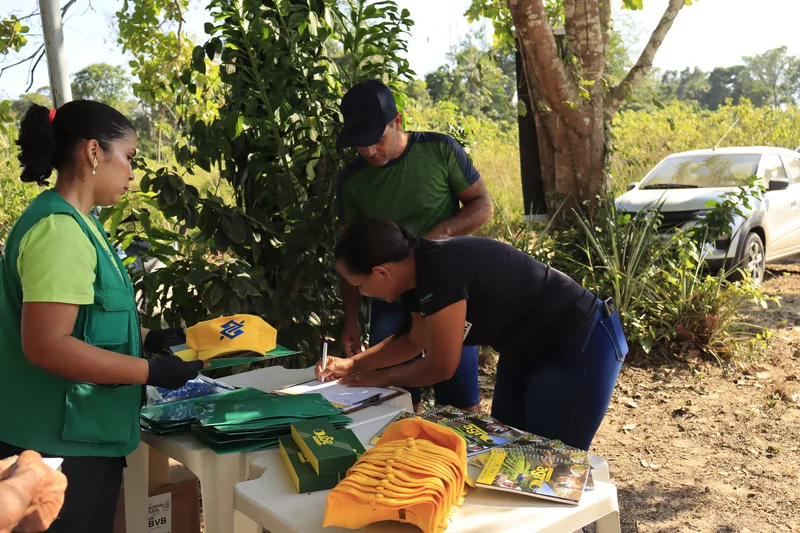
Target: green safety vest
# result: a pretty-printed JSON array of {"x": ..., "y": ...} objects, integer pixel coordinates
[{"x": 51, "y": 414}]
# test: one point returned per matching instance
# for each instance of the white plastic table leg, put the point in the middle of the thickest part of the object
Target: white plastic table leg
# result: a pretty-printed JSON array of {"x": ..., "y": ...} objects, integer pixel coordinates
[
  {"x": 610, "y": 522},
  {"x": 136, "y": 492},
  {"x": 243, "y": 524},
  {"x": 600, "y": 466},
  {"x": 217, "y": 483}
]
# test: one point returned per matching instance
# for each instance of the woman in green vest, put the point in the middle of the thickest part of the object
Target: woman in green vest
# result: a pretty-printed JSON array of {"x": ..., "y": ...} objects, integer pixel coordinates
[{"x": 71, "y": 366}]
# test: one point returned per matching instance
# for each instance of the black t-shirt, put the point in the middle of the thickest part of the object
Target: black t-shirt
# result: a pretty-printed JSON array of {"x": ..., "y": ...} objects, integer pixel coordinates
[{"x": 515, "y": 304}]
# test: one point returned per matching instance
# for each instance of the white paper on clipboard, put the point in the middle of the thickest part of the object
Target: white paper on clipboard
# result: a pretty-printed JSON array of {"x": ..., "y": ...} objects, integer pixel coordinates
[{"x": 340, "y": 396}]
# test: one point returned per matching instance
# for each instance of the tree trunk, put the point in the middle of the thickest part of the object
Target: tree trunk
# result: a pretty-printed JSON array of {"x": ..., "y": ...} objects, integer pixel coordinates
[
  {"x": 569, "y": 97},
  {"x": 570, "y": 126}
]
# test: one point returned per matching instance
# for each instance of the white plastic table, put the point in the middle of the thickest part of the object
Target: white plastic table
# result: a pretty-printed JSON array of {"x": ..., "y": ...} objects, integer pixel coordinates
[
  {"x": 272, "y": 502},
  {"x": 219, "y": 474}
]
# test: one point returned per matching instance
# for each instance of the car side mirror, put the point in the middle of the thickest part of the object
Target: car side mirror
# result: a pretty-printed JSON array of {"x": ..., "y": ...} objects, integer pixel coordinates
[
  {"x": 632, "y": 186},
  {"x": 778, "y": 184}
]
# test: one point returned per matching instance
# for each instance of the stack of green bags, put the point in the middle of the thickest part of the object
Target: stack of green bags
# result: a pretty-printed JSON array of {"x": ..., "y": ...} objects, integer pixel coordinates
[
  {"x": 248, "y": 419},
  {"x": 240, "y": 420},
  {"x": 168, "y": 419}
]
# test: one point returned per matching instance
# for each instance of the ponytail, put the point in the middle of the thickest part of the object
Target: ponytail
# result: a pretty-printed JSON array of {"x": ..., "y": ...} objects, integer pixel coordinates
[
  {"x": 370, "y": 242},
  {"x": 37, "y": 145},
  {"x": 48, "y": 139}
]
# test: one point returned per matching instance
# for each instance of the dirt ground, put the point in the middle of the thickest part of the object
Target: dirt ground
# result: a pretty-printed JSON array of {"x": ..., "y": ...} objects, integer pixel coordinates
[{"x": 695, "y": 447}]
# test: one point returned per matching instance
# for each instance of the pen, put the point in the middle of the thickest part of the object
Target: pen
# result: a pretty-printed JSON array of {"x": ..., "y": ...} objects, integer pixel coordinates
[{"x": 324, "y": 356}]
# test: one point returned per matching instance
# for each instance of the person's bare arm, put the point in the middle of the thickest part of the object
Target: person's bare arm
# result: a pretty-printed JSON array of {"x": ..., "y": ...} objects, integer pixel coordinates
[
  {"x": 443, "y": 340},
  {"x": 393, "y": 350},
  {"x": 48, "y": 343},
  {"x": 351, "y": 335},
  {"x": 475, "y": 211},
  {"x": 390, "y": 351}
]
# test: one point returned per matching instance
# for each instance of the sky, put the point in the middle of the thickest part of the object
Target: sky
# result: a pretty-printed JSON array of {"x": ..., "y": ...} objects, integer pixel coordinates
[{"x": 706, "y": 34}]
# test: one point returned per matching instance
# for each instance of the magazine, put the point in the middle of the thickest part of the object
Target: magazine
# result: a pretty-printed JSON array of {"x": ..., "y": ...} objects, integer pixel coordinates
[
  {"x": 482, "y": 432},
  {"x": 434, "y": 415},
  {"x": 526, "y": 472}
]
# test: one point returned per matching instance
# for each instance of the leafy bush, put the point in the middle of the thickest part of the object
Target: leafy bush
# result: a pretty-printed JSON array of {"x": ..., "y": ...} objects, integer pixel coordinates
[
  {"x": 14, "y": 195},
  {"x": 267, "y": 250}
]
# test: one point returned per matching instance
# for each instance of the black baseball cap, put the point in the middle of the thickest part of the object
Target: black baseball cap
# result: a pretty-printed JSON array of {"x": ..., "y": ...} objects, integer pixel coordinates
[{"x": 367, "y": 108}]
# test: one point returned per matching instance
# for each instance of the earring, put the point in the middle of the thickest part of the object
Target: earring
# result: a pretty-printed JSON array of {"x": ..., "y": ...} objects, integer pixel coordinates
[{"x": 94, "y": 166}]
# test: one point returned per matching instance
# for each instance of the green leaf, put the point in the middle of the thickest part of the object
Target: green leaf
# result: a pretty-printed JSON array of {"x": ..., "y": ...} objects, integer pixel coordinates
[
  {"x": 313, "y": 24},
  {"x": 200, "y": 277},
  {"x": 216, "y": 293},
  {"x": 632, "y": 4},
  {"x": 233, "y": 230},
  {"x": 115, "y": 220}
]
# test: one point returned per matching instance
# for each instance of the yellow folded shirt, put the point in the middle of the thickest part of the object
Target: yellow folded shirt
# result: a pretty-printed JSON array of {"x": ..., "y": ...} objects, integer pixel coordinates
[{"x": 230, "y": 334}]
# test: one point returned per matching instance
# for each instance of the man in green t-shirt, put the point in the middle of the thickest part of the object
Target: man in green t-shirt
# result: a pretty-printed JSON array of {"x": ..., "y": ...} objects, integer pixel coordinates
[{"x": 422, "y": 180}]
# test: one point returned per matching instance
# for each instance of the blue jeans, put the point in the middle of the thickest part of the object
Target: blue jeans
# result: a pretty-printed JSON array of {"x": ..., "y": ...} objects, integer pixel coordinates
[
  {"x": 461, "y": 390},
  {"x": 563, "y": 395}
]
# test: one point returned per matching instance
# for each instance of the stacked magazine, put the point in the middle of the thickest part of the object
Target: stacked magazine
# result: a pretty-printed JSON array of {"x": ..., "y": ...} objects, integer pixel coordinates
[{"x": 505, "y": 458}]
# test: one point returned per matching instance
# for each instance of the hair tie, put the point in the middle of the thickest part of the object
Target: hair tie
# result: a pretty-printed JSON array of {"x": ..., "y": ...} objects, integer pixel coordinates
[{"x": 52, "y": 115}]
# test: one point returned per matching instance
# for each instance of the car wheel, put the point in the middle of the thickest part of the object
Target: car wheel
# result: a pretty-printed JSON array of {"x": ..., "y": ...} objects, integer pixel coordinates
[{"x": 753, "y": 258}]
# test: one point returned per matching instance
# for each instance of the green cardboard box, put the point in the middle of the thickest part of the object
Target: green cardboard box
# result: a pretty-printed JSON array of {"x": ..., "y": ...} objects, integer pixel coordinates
[
  {"x": 350, "y": 438},
  {"x": 303, "y": 474},
  {"x": 323, "y": 446}
]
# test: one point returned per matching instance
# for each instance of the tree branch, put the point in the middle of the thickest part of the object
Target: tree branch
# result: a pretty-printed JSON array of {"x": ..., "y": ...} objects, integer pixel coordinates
[
  {"x": 180, "y": 28},
  {"x": 40, "y": 49},
  {"x": 35, "y": 13},
  {"x": 67, "y": 6},
  {"x": 22, "y": 60},
  {"x": 543, "y": 62},
  {"x": 33, "y": 69},
  {"x": 618, "y": 95}
]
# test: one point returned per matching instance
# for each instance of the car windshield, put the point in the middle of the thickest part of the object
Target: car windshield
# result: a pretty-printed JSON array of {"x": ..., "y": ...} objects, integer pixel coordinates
[{"x": 693, "y": 171}]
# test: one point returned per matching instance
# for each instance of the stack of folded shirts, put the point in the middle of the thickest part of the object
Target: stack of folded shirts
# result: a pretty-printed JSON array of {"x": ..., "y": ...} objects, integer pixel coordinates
[
  {"x": 415, "y": 474},
  {"x": 240, "y": 420}
]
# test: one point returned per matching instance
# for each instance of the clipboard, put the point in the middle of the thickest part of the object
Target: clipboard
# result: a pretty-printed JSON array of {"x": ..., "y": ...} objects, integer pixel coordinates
[{"x": 366, "y": 397}]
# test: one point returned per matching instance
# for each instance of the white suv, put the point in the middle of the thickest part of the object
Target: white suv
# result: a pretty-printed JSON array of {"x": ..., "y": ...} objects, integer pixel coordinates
[{"x": 686, "y": 181}]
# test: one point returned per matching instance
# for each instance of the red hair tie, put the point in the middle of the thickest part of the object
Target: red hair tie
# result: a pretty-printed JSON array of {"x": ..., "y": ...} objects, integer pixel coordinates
[{"x": 52, "y": 114}]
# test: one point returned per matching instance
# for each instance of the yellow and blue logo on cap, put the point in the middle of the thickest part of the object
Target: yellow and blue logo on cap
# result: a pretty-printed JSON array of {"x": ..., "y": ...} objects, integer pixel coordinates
[{"x": 231, "y": 329}]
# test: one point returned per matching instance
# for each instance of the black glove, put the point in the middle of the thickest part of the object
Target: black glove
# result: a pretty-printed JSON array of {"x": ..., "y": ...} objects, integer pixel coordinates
[
  {"x": 159, "y": 340},
  {"x": 172, "y": 372}
]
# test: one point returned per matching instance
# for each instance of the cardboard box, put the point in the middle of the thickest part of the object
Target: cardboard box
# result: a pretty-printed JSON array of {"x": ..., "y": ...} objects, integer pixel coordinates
[
  {"x": 350, "y": 438},
  {"x": 323, "y": 446},
  {"x": 303, "y": 474},
  {"x": 158, "y": 467},
  {"x": 173, "y": 507}
]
